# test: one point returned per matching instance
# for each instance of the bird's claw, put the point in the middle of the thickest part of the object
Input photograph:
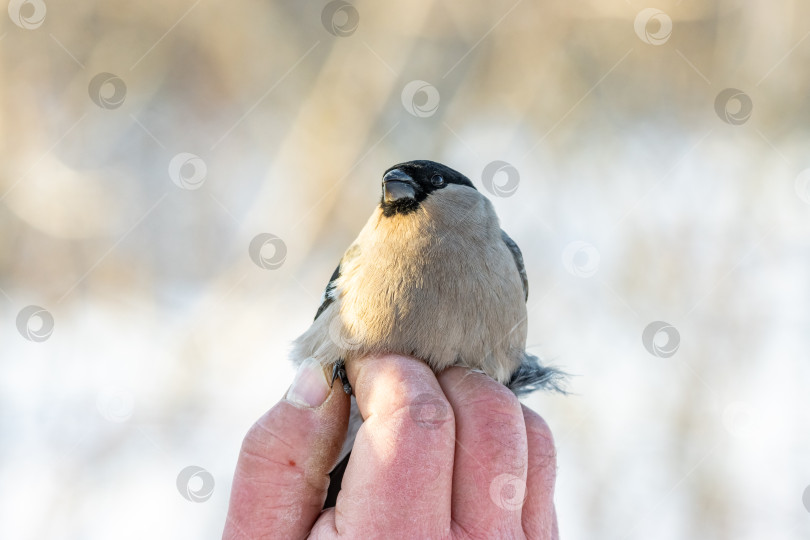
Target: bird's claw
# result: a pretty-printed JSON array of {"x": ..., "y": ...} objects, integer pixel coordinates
[{"x": 339, "y": 371}]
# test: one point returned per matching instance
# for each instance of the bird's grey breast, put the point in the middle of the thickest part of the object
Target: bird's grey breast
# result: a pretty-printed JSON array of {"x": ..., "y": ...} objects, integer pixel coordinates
[{"x": 439, "y": 283}]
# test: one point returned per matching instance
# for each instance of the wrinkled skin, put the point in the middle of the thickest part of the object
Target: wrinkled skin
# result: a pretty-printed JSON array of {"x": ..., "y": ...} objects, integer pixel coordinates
[{"x": 453, "y": 456}]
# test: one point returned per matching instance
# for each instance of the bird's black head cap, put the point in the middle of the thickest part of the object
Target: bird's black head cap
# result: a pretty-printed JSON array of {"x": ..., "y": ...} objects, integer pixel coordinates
[{"x": 406, "y": 185}]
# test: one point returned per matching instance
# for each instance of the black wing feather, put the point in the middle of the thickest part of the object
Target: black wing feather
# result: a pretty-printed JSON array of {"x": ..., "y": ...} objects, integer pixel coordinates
[
  {"x": 518, "y": 256},
  {"x": 328, "y": 294}
]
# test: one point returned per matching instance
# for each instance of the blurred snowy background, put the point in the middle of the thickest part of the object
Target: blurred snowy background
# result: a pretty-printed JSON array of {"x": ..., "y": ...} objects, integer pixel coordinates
[{"x": 658, "y": 188}]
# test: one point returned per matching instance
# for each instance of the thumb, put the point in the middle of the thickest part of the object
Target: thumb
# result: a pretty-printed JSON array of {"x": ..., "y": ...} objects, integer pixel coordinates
[{"x": 282, "y": 474}]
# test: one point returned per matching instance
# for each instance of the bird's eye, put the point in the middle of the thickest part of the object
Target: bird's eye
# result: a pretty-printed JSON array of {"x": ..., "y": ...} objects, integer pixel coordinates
[{"x": 437, "y": 180}]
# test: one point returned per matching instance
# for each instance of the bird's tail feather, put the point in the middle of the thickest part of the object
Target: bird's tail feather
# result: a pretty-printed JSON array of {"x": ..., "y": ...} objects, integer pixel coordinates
[{"x": 532, "y": 376}]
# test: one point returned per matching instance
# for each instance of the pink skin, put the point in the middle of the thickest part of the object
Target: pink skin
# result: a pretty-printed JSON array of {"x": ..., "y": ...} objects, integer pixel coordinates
[{"x": 453, "y": 456}]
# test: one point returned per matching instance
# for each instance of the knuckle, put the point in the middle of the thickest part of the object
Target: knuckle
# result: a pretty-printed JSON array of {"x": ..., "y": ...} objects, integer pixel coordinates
[
  {"x": 482, "y": 392},
  {"x": 401, "y": 370},
  {"x": 429, "y": 410},
  {"x": 266, "y": 456},
  {"x": 541, "y": 442},
  {"x": 493, "y": 403},
  {"x": 492, "y": 412},
  {"x": 262, "y": 434},
  {"x": 544, "y": 459},
  {"x": 393, "y": 383}
]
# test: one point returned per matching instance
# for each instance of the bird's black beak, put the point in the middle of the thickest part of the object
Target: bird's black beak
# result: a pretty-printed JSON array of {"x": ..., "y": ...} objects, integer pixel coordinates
[{"x": 398, "y": 185}]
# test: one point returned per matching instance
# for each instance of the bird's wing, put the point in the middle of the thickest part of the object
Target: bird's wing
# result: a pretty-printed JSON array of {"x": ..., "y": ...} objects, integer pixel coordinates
[
  {"x": 513, "y": 247},
  {"x": 329, "y": 293}
]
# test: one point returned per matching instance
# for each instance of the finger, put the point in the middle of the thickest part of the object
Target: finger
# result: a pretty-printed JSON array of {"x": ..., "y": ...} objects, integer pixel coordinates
[
  {"x": 283, "y": 469},
  {"x": 539, "y": 516},
  {"x": 399, "y": 477},
  {"x": 489, "y": 477}
]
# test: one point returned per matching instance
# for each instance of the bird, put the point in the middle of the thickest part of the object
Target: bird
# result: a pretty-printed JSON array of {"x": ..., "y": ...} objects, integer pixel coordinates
[{"x": 431, "y": 275}]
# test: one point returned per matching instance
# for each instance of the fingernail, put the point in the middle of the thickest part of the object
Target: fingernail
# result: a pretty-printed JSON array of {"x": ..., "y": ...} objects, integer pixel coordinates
[{"x": 310, "y": 387}]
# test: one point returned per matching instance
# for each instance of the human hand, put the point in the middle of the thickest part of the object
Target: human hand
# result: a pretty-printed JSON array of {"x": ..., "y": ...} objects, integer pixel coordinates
[{"x": 437, "y": 457}]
